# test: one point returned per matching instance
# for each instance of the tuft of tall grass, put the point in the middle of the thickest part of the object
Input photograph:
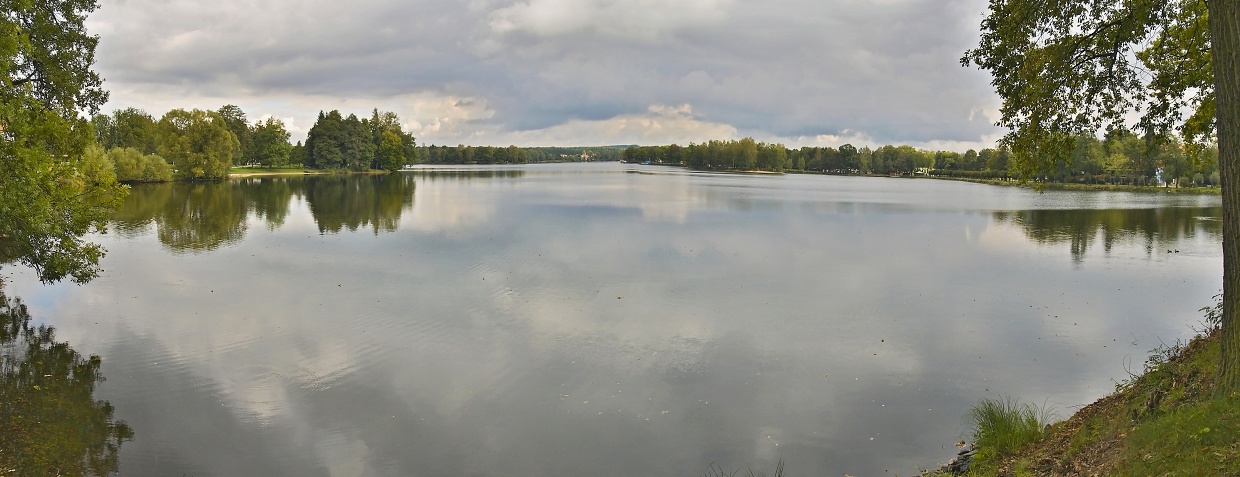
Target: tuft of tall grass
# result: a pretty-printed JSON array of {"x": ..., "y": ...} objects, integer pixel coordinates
[
  {"x": 715, "y": 471},
  {"x": 1003, "y": 426}
]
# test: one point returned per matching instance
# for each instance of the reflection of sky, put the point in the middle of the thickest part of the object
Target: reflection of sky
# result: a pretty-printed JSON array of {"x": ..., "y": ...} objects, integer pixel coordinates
[{"x": 581, "y": 319}]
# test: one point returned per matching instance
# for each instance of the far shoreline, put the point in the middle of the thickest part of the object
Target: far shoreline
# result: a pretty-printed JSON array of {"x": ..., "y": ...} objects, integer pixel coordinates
[{"x": 248, "y": 172}]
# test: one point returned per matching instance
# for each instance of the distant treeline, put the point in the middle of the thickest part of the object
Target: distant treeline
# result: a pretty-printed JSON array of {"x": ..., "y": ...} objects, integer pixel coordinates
[
  {"x": 204, "y": 145},
  {"x": 462, "y": 154},
  {"x": 1121, "y": 157},
  {"x": 747, "y": 155}
]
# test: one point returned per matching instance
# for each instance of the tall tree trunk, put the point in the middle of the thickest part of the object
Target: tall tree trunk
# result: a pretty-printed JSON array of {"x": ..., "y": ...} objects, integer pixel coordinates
[{"x": 1225, "y": 49}]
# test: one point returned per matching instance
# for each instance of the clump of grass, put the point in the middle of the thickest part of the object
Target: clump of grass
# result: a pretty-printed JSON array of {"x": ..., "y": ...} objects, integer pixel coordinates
[
  {"x": 1169, "y": 420},
  {"x": 1004, "y": 426}
]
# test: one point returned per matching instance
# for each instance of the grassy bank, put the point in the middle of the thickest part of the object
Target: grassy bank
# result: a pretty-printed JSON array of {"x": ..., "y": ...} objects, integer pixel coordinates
[
  {"x": 1166, "y": 421},
  {"x": 1079, "y": 186}
]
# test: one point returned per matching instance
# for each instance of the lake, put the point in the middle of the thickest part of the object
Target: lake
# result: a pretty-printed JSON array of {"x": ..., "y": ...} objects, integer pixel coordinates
[{"x": 612, "y": 319}]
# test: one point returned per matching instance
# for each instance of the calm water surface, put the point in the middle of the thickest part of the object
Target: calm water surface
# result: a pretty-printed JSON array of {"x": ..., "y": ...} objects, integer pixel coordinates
[{"x": 605, "y": 319}]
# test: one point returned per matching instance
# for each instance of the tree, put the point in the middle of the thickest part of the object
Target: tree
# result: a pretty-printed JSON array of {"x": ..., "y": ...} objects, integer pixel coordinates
[
  {"x": 357, "y": 145},
  {"x": 47, "y": 198},
  {"x": 297, "y": 156},
  {"x": 236, "y": 122},
  {"x": 1066, "y": 68},
  {"x": 269, "y": 143},
  {"x": 336, "y": 142},
  {"x": 392, "y": 146},
  {"x": 390, "y": 154},
  {"x": 129, "y": 127},
  {"x": 323, "y": 142},
  {"x": 971, "y": 161},
  {"x": 198, "y": 143},
  {"x": 848, "y": 154}
]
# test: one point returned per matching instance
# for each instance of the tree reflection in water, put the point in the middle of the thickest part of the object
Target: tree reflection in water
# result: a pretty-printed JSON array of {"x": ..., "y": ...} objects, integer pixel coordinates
[
  {"x": 1083, "y": 228},
  {"x": 201, "y": 217},
  {"x": 50, "y": 423}
]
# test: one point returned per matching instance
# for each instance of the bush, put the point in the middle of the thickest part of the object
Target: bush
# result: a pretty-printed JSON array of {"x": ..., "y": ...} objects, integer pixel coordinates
[
  {"x": 155, "y": 169},
  {"x": 95, "y": 167},
  {"x": 132, "y": 166}
]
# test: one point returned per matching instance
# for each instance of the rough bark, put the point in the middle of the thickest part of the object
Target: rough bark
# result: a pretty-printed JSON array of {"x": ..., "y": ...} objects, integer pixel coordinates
[{"x": 1225, "y": 49}]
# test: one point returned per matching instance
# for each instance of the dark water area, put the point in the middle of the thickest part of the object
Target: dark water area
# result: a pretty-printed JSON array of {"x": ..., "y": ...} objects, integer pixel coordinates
[{"x": 610, "y": 319}]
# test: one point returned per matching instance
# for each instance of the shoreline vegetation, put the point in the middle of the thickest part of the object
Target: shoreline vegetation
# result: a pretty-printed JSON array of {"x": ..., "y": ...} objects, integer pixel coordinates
[
  {"x": 1084, "y": 186},
  {"x": 1167, "y": 420},
  {"x": 197, "y": 145}
]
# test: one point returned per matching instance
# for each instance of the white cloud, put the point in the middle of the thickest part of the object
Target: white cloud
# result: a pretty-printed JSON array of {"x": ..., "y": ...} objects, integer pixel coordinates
[{"x": 660, "y": 124}]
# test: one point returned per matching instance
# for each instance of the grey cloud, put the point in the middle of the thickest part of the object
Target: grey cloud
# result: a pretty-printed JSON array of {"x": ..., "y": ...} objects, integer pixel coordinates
[{"x": 887, "y": 70}]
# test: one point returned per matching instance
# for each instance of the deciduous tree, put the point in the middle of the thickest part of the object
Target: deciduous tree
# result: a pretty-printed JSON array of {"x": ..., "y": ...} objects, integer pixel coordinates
[
  {"x": 48, "y": 199},
  {"x": 1066, "y": 67},
  {"x": 198, "y": 143},
  {"x": 269, "y": 143}
]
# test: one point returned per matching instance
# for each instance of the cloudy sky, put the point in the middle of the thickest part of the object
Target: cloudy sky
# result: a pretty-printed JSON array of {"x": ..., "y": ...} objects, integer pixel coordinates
[{"x": 567, "y": 72}]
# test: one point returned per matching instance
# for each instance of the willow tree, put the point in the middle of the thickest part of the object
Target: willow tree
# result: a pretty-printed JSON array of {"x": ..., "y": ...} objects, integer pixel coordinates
[
  {"x": 48, "y": 196},
  {"x": 198, "y": 143},
  {"x": 1069, "y": 67}
]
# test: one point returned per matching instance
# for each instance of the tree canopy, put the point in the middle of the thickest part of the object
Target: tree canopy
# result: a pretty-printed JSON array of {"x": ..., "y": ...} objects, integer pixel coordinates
[
  {"x": 49, "y": 198},
  {"x": 338, "y": 142},
  {"x": 198, "y": 143},
  {"x": 1068, "y": 68},
  {"x": 269, "y": 144}
]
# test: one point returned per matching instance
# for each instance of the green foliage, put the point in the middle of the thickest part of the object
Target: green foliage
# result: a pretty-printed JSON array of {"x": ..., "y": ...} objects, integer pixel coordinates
[
  {"x": 297, "y": 155},
  {"x": 129, "y": 127},
  {"x": 1065, "y": 69},
  {"x": 392, "y": 146},
  {"x": 96, "y": 167},
  {"x": 1183, "y": 74},
  {"x": 740, "y": 155},
  {"x": 336, "y": 142},
  {"x": 1179, "y": 426},
  {"x": 50, "y": 422},
  {"x": 1003, "y": 426},
  {"x": 198, "y": 143},
  {"x": 50, "y": 193},
  {"x": 906, "y": 159},
  {"x": 1195, "y": 439},
  {"x": 133, "y": 166},
  {"x": 269, "y": 143},
  {"x": 391, "y": 153},
  {"x": 1164, "y": 421},
  {"x": 234, "y": 119}
]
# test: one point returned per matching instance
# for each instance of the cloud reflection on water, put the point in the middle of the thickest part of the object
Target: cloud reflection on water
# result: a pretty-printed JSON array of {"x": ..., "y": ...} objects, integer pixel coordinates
[{"x": 581, "y": 319}]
